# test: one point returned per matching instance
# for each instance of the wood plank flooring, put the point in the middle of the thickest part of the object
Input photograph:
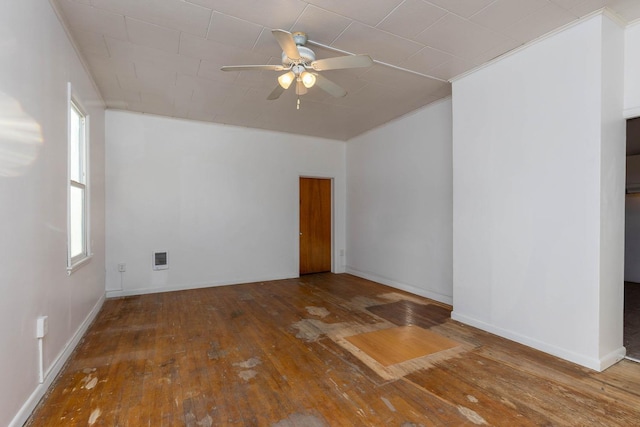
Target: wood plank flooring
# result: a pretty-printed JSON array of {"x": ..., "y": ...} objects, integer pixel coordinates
[{"x": 276, "y": 354}]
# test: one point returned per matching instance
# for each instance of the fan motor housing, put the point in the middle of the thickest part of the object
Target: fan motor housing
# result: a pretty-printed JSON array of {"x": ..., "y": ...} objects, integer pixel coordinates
[
  {"x": 306, "y": 57},
  {"x": 299, "y": 38}
]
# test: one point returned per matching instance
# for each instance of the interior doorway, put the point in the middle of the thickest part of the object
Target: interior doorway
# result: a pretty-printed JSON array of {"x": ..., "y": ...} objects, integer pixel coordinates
[
  {"x": 315, "y": 225},
  {"x": 632, "y": 243}
]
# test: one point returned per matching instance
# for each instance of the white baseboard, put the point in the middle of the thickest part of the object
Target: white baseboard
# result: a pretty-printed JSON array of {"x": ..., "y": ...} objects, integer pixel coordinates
[
  {"x": 51, "y": 373},
  {"x": 446, "y": 299},
  {"x": 115, "y": 293},
  {"x": 633, "y": 359},
  {"x": 612, "y": 358},
  {"x": 597, "y": 364}
]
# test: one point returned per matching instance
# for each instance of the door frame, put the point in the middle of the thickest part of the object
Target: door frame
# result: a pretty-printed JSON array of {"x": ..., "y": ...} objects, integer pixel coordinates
[
  {"x": 627, "y": 118},
  {"x": 333, "y": 216}
]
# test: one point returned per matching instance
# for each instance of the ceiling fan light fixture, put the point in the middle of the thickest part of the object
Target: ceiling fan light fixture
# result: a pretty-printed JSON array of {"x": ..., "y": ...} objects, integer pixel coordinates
[
  {"x": 299, "y": 65},
  {"x": 286, "y": 79},
  {"x": 308, "y": 79}
]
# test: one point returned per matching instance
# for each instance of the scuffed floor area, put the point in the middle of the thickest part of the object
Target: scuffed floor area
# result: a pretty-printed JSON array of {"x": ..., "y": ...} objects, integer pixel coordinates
[{"x": 277, "y": 354}]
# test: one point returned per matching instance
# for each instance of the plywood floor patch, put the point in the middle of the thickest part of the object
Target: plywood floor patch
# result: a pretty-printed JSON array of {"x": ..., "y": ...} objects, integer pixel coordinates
[{"x": 396, "y": 345}]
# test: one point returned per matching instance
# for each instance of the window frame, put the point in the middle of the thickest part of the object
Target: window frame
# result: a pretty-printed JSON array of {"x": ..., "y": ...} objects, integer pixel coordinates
[{"x": 76, "y": 261}]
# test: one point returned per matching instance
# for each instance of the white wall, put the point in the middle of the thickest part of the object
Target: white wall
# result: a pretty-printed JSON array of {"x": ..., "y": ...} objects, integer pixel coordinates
[
  {"x": 222, "y": 200},
  {"x": 37, "y": 62},
  {"x": 538, "y": 148},
  {"x": 632, "y": 71},
  {"x": 612, "y": 195},
  {"x": 399, "y": 208}
]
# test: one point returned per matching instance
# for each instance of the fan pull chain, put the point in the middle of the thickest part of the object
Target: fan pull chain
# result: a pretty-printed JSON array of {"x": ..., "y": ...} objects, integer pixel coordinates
[{"x": 298, "y": 104}]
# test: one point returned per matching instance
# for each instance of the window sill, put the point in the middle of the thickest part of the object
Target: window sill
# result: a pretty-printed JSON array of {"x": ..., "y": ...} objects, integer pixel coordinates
[{"x": 78, "y": 264}]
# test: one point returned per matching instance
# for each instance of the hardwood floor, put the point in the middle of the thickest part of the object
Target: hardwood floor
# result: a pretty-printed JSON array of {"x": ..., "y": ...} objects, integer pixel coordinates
[{"x": 276, "y": 354}]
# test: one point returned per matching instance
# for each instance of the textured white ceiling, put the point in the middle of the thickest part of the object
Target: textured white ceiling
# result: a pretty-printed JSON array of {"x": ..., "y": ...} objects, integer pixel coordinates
[{"x": 164, "y": 56}]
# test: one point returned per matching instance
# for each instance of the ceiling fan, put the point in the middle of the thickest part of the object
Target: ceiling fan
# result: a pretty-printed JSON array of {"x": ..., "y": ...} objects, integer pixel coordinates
[{"x": 301, "y": 66}]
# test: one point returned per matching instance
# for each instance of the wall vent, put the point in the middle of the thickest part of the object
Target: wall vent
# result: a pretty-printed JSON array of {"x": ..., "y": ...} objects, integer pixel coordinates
[{"x": 161, "y": 260}]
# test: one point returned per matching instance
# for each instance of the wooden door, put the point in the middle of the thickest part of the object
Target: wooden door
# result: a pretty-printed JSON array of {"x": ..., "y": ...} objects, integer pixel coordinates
[{"x": 315, "y": 225}]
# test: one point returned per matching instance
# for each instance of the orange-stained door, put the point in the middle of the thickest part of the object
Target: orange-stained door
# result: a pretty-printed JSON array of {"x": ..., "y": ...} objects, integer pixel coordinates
[{"x": 315, "y": 225}]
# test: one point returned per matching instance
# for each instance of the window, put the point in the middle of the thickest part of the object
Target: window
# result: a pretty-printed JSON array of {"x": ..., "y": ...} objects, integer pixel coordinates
[{"x": 78, "y": 195}]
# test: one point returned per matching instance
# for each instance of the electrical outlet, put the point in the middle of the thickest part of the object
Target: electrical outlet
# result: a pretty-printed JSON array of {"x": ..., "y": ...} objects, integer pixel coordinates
[
  {"x": 42, "y": 326},
  {"x": 122, "y": 267}
]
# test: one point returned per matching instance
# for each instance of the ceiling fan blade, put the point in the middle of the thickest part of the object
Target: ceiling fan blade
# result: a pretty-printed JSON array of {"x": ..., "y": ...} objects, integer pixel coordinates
[
  {"x": 275, "y": 94},
  {"x": 252, "y": 67},
  {"x": 286, "y": 42},
  {"x": 341, "y": 62},
  {"x": 330, "y": 87}
]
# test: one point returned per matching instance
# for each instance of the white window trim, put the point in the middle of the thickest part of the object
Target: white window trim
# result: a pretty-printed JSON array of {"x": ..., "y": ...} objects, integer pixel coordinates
[{"x": 76, "y": 262}]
